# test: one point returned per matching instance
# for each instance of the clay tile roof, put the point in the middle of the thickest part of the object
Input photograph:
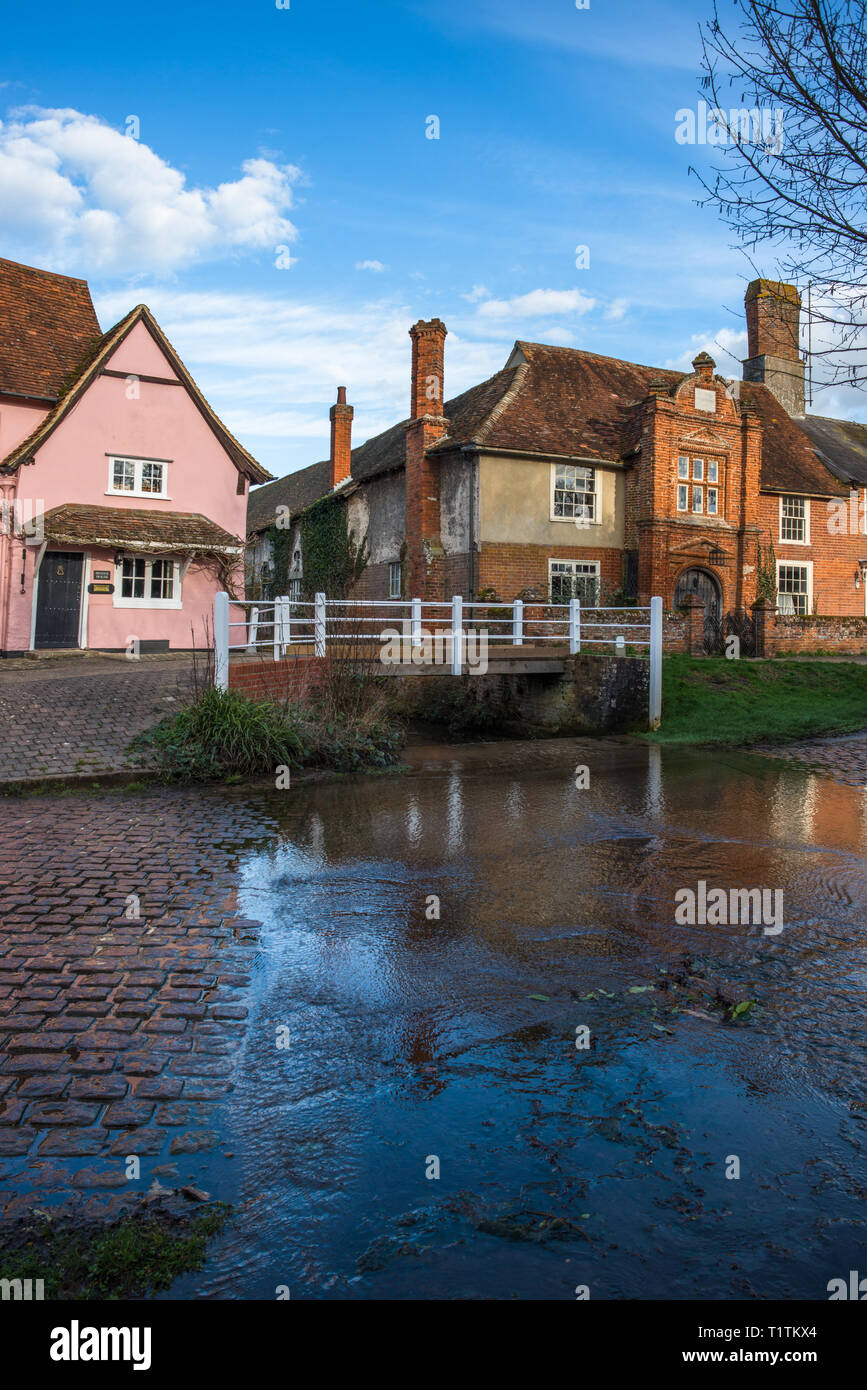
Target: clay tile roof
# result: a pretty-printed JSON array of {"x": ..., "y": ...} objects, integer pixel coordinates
[
  {"x": 76, "y": 523},
  {"x": 47, "y": 325},
  {"x": 559, "y": 401},
  {"x": 789, "y": 459},
  {"x": 841, "y": 443}
]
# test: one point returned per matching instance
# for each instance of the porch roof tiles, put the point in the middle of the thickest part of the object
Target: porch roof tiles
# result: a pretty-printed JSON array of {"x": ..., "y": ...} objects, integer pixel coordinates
[{"x": 134, "y": 528}]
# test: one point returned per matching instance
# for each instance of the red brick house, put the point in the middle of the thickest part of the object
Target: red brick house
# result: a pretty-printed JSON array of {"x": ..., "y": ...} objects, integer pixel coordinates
[{"x": 572, "y": 473}]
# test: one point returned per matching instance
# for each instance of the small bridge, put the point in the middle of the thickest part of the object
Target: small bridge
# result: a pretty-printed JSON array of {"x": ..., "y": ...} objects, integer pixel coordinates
[{"x": 456, "y": 637}]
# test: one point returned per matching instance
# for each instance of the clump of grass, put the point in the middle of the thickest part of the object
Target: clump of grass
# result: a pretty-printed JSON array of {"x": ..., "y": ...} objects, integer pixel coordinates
[
  {"x": 367, "y": 741},
  {"x": 219, "y": 734},
  {"x": 223, "y": 735},
  {"x": 132, "y": 1257}
]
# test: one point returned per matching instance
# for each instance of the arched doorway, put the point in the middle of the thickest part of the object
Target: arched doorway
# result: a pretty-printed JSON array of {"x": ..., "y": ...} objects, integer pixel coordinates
[{"x": 705, "y": 586}]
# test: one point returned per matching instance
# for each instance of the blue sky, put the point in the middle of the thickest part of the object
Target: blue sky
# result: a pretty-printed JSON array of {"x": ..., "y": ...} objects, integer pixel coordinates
[{"x": 285, "y": 216}]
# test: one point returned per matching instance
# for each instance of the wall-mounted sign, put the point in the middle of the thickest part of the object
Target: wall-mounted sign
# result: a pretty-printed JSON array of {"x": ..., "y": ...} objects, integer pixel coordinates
[
  {"x": 102, "y": 574},
  {"x": 100, "y": 588}
]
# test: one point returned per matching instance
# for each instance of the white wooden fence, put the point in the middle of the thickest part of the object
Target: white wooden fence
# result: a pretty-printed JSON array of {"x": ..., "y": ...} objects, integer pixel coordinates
[{"x": 275, "y": 626}]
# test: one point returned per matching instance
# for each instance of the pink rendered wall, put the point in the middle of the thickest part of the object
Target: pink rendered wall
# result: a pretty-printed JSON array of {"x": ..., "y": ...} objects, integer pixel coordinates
[
  {"x": 72, "y": 466},
  {"x": 16, "y": 422}
]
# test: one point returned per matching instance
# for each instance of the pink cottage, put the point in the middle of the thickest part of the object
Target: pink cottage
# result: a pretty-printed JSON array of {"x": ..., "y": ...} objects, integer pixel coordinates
[{"x": 123, "y": 496}]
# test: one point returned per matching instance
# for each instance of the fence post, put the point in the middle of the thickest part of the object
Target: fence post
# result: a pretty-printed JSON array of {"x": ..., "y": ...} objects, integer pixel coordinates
[
  {"x": 457, "y": 632},
  {"x": 518, "y": 623},
  {"x": 655, "y": 663},
  {"x": 319, "y": 624},
  {"x": 253, "y": 630},
  {"x": 281, "y": 625},
  {"x": 574, "y": 626},
  {"x": 221, "y": 640},
  {"x": 416, "y": 622}
]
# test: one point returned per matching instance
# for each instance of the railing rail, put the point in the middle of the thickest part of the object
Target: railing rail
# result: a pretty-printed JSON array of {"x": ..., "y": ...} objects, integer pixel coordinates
[{"x": 276, "y": 626}]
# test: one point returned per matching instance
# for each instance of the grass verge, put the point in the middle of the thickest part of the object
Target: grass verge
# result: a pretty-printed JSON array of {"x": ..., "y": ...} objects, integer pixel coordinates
[
  {"x": 712, "y": 700},
  {"x": 132, "y": 1257}
]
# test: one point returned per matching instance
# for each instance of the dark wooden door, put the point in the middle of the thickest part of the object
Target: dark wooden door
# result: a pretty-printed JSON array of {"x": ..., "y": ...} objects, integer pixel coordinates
[
  {"x": 705, "y": 586},
  {"x": 58, "y": 600}
]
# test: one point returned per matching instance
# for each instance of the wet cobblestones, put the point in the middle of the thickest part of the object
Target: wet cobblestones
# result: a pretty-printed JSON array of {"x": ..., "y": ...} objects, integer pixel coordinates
[
  {"x": 119, "y": 1035},
  {"x": 844, "y": 759},
  {"x": 76, "y": 717}
]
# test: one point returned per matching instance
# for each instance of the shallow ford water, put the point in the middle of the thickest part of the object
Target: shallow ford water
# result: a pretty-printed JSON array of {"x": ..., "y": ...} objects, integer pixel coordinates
[{"x": 412, "y": 1039}]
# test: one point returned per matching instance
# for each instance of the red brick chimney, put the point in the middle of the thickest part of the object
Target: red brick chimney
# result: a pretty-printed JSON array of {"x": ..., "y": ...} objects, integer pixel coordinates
[
  {"x": 773, "y": 313},
  {"x": 428, "y": 363},
  {"x": 427, "y": 426},
  {"x": 341, "y": 438}
]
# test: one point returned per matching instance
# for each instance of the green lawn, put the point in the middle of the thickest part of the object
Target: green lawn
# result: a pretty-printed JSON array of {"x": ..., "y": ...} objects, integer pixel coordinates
[{"x": 712, "y": 700}]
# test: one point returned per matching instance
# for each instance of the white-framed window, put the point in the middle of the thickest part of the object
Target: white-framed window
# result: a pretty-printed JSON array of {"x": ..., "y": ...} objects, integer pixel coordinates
[
  {"x": 569, "y": 579},
  {"x": 573, "y": 493},
  {"x": 795, "y": 588},
  {"x": 294, "y": 594},
  {"x": 395, "y": 579},
  {"x": 130, "y": 477},
  {"x": 700, "y": 485},
  {"x": 141, "y": 581},
  {"x": 795, "y": 520}
]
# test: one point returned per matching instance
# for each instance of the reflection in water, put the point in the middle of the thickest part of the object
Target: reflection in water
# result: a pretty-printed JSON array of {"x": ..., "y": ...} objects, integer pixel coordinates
[{"x": 415, "y": 1035}]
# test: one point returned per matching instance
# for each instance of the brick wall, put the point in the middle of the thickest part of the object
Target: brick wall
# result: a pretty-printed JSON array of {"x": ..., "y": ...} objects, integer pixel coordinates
[
  {"x": 290, "y": 679},
  {"x": 510, "y": 569},
  {"x": 791, "y": 636},
  {"x": 835, "y": 548}
]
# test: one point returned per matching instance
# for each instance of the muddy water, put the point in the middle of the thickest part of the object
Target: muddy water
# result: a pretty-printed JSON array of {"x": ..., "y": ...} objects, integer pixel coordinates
[{"x": 415, "y": 1044}]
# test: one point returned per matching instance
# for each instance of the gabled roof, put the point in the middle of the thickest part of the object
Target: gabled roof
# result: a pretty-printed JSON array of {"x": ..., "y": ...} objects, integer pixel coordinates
[
  {"x": 77, "y": 523},
  {"x": 47, "y": 325},
  {"x": 95, "y": 361},
  {"x": 565, "y": 402}
]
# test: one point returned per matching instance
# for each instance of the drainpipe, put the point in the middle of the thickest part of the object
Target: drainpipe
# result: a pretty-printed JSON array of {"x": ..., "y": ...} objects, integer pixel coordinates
[
  {"x": 7, "y": 543},
  {"x": 472, "y": 539}
]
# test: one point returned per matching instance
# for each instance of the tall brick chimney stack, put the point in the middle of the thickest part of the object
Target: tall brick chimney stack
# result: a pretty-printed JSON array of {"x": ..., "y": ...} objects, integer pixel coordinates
[
  {"x": 428, "y": 365},
  {"x": 341, "y": 438},
  {"x": 426, "y": 426},
  {"x": 773, "y": 323}
]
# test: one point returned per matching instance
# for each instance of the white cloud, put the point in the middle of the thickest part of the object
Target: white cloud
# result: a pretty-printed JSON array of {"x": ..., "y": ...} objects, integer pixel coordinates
[
  {"x": 476, "y": 293},
  {"x": 376, "y": 266},
  {"x": 616, "y": 309},
  {"x": 537, "y": 304},
  {"x": 727, "y": 347},
  {"x": 76, "y": 192}
]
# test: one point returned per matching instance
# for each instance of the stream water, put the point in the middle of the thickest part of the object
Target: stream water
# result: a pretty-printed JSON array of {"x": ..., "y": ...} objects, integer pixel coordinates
[{"x": 411, "y": 1116}]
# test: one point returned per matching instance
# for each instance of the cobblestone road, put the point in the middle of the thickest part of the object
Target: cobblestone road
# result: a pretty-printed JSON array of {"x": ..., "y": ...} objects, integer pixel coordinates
[
  {"x": 71, "y": 716},
  {"x": 844, "y": 759},
  {"x": 118, "y": 1035}
]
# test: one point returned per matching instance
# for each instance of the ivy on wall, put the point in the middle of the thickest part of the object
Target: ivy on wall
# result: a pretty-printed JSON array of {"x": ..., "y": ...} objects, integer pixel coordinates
[
  {"x": 332, "y": 560},
  {"x": 766, "y": 571},
  {"x": 280, "y": 538}
]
